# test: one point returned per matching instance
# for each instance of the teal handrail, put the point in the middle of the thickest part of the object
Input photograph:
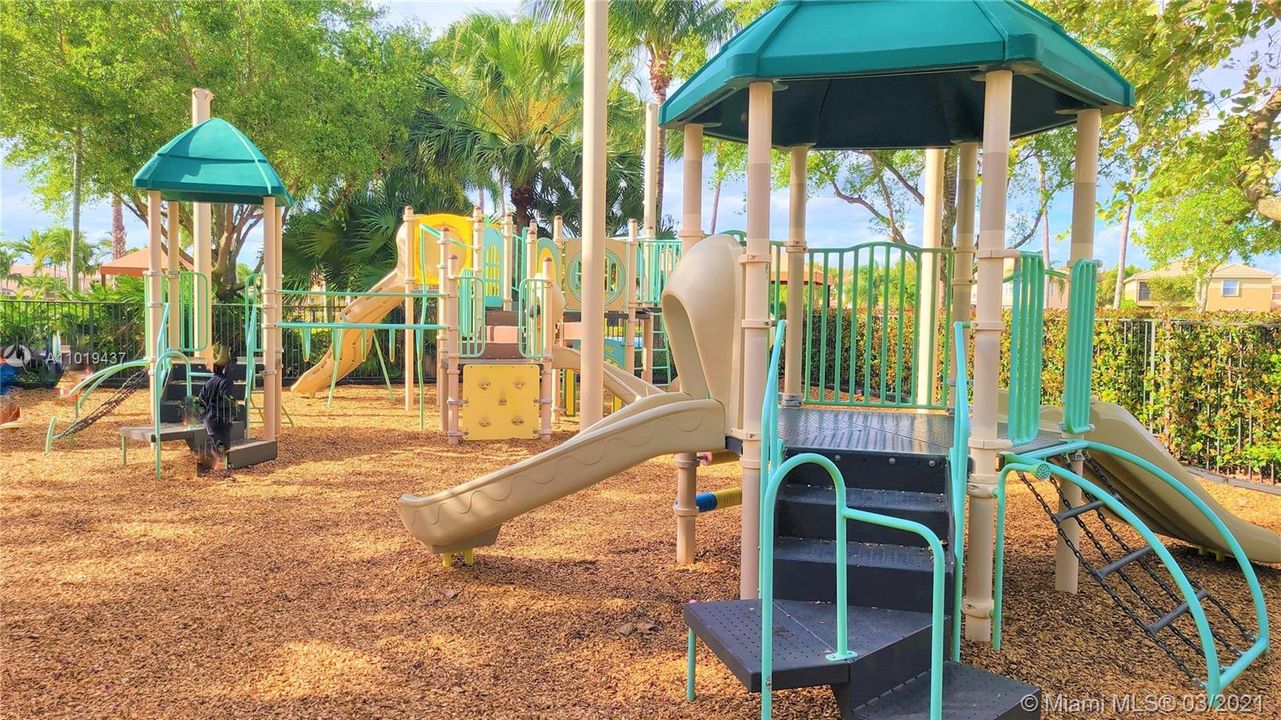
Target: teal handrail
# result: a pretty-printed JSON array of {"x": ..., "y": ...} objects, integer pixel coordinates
[
  {"x": 959, "y": 467},
  {"x": 771, "y": 442},
  {"x": 1079, "y": 366},
  {"x": 1027, "y": 342},
  {"x": 1217, "y": 677},
  {"x": 471, "y": 315},
  {"x": 85, "y": 387},
  {"x": 844, "y": 515}
]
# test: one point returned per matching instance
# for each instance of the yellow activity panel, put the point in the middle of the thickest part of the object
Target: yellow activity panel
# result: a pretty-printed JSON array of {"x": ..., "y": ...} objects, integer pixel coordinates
[{"x": 500, "y": 402}]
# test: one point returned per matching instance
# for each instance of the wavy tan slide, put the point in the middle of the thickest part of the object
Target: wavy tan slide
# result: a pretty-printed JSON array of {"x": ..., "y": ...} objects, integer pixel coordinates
[
  {"x": 1159, "y": 506},
  {"x": 353, "y": 344},
  {"x": 702, "y": 335},
  {"x": 621, "y": 384}
]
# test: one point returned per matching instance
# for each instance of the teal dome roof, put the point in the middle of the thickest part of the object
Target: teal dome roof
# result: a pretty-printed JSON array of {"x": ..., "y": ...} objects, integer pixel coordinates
[
  {"x": 895, "y": 73},
  {"x": 212, "y": 162}
]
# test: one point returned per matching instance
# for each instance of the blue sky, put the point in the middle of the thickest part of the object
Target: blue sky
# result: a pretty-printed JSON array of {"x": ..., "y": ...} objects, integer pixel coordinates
[{"x": 830, "y": 221}]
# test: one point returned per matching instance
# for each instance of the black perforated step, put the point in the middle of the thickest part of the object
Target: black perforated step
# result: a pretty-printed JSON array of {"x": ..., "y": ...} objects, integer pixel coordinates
[
  {"x": 892, "y": 646},
  {"x": 968, "y": 694},
  {"x": 807, "y": 511},
  {"x": 874, "y": 470},
  {"x": 883, "y": 576}
]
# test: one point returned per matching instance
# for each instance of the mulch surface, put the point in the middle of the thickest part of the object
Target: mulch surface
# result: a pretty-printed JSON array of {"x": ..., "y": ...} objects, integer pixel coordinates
[{"x": 292, "y": 590}]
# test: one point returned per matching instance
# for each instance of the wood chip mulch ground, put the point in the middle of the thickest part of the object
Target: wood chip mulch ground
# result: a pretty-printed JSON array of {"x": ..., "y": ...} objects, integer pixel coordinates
[{"x": 291, "y": 589}]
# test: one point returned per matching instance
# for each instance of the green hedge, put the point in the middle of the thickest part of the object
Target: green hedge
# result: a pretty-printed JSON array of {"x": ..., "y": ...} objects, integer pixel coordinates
[{"x": 1209, "y": 385}]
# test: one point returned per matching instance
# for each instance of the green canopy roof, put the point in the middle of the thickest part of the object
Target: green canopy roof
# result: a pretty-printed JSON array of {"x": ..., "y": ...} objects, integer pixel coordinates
[
  {"x": 212, "y": 162},
  {"x": 895, "y": 73}
]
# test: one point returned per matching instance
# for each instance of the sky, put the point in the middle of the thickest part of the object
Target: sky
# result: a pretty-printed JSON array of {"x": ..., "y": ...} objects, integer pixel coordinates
[{"x": 829, "y": 221}]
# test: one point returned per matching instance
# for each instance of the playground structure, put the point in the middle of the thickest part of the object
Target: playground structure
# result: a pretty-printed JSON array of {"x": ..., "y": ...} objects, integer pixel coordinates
[
  {"x": 210, "y": 163},
  {"x": 876, "y": 423},
  {"x": 508, "y": 301}
]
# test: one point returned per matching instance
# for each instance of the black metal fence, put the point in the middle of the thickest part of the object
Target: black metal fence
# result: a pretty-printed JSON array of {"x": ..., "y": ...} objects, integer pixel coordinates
[{"x": 97, "y": 334}]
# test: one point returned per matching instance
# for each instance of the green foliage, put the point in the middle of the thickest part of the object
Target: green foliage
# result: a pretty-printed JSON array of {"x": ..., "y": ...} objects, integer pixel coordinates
[
  {"x": 1208, "y": 386},
  {"x": 1172, "y": 291}
]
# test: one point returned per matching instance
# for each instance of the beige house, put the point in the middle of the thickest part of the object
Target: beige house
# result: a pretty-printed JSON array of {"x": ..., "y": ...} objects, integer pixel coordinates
[{"x": 1231, "y": 287}]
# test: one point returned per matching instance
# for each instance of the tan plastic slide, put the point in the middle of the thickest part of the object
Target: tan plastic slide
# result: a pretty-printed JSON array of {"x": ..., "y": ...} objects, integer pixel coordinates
[
  {"x": 702, "y": 341},
  {"x": 353, "y": 344},
  {"x": 1161, "y": 507},
  {"x": 621, "y": 384}
]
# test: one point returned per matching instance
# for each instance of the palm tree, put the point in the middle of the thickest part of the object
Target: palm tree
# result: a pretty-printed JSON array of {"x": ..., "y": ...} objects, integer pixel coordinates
[{"x": 664, "y": 30}]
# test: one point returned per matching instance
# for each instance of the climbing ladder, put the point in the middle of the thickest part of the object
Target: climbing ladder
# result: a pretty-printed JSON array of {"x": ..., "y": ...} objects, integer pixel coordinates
[
  {"x": 1131, "y": 574},
  {"x": 129, "y": 387}
]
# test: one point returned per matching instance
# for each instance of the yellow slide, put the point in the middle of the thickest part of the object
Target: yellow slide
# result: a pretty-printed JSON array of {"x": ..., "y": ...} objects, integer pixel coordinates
[
  {"x": 353, "y": 344},
  {"x": 621, "y": 384},
  {"x": 1159, "y": 506},
  {"x": 702, "y": 336}
]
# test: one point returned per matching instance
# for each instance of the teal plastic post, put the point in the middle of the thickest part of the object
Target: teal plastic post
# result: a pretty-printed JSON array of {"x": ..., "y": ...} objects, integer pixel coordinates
[{"x": 690, "y": 668}]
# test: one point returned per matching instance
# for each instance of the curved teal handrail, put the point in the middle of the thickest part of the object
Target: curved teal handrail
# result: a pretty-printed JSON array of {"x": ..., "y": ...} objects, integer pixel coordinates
[
  {"x": 771, "y": 443},
  {"x": 844, "y": 514},
  {"x": 1079, "y": 366},
  {"x": 86, "y": 386},
  {"x": 1217, "y": 677}
]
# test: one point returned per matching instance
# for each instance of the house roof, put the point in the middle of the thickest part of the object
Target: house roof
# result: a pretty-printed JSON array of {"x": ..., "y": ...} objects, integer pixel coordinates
[
  {"x": 136, "y": 262},
  {"x": 895, "y": 73},
  {"x": 1232, "y": 271},
  {"x": 212, "y": 162}
]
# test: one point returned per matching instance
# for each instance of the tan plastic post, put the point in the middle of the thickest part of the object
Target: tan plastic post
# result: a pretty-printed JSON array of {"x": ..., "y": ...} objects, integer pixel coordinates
[
  {"x": 647, "y": 349},
  {"x": 447, "y": 315},
  {"x": 270, "y": 329},
  {"x": 755, "y": 323},
  {"x": 202, "y": 233},
  {"x": 277, "y": 381},
  {"x": 155, "y": 270},
  {"x": 549, "y": 323},
  {"x": 1084, "y": 197},
  {"x": 796, "y": 280},
  {"x": 692, "y": 188},
  {"x": 477, "y": 235},
  {"x": 406, "y": 244},
  {"x": 509, "y": 259},
  {"x": 171, "y": 257},
  {"x": 531, "y": 250},
  {"x": 931, "y": 237},
  {"x": 650, "y": 222},
  {"x": 453, "y": 370},
  {"x": 595, "y": 78},
  {"x": 984, "y": 444},
  {"x": 963, "y": 255}
]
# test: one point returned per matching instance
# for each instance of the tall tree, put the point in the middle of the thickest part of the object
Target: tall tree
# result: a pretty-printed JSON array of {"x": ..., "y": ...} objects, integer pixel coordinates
[
  {"x": 319, "y": 87},
  {"x": 666, "y": 32},
  {"x": 117, "y": 227}
]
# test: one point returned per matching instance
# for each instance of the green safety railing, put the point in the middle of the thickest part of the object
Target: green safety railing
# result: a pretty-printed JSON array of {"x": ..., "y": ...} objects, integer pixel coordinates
[
  {"x": 471, "y": 315},
  {"x": 959, "y": 469},
  {"x": 1079, "y": 365},
  {"x": 655, "y": 260},
  {"x": 1027, "y": 343},
  {"x": 531, "y": 330},
  {"x": 1036, "y": 463},
  {"x": 865, "y": 329}
]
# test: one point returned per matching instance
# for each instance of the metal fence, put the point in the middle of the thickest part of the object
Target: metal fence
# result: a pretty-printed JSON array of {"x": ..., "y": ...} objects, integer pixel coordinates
[{"x": 105, "y": 333}]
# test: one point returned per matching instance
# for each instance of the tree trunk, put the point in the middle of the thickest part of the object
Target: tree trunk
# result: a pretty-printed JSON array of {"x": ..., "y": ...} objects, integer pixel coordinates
[
  {"x": 522, "y": 200},
  {"x": 73, "y": 272},
  {"x": 1045, "y": 217},
  {"x": 716, "y": 203},
  {"x": 1119, "y": 292},
  {"x": 660, "y": 78},
  {"x": 117, "y": 228}
]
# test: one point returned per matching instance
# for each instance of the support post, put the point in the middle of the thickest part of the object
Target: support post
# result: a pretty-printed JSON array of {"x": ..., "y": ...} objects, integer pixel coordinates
[
  {"x": 963, "y": 254},
  {"x": 549, "y": 324},
  {"x": 595, "y": 78},
  {"x": 647, "y": 349},
  {"x": 406, "y": 245},
  {"x": 927, "y": 337},
  {"x": 452, "y": 369},
  {"x": 447, "y": 315},
  {"x": 650, "y": 229},
  {"x": 755, "y": 324},
  {"x": 270, "y": 328},
  {"x": 202, "y": 238},
  {"x": 793, "y": 373},
  {"x": 1084, "y": 197},
  {"x": 477, "y": 236},
  {"x": 277, "y": 380},
  {"x": 173, "y": 296},
  {"x": 531, "y": 250},
  {"x": 509, "y": 260},
  {"x": 692, "y": 188},
  {"x": 984, "y": 443},
  {"x": 155, "y": 303}
]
